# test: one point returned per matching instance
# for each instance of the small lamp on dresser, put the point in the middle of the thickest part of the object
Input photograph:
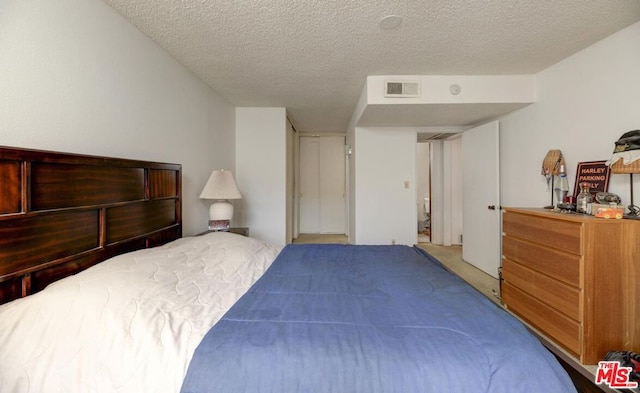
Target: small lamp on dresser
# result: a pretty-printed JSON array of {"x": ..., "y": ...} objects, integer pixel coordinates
[
  {"x": 221, "y": 187},
  {"x": 631, "y": 168},
  {"x": 551, "y": 165},
  {"x": 626, "y": 159}
]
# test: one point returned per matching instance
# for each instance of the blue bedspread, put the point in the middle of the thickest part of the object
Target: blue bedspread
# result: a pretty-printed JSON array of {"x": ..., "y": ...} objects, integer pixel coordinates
[{"x": 347, "y": 319}]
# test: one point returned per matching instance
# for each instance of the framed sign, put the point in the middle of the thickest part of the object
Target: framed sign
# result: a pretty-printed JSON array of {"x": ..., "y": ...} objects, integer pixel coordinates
[{"x": 596, "y": 173}]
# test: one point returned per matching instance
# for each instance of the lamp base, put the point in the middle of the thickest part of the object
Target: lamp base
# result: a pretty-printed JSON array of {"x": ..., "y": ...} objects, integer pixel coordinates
[
  {"x": 219, "y": 225},
  {"x": 221, "y": 210}
]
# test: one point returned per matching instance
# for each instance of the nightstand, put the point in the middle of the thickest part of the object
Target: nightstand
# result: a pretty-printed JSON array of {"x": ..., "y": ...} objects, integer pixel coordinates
[{"x": 238, "y": 231}]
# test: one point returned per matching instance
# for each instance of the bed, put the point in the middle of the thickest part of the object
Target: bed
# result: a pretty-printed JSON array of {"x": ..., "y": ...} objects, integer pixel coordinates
[{"x": 140, "y": 309}]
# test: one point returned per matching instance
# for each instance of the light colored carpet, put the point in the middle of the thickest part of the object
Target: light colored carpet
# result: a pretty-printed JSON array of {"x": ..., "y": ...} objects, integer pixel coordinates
[
  {"x": 312, "y": 238},
  {"x": 451, "y": 258}
]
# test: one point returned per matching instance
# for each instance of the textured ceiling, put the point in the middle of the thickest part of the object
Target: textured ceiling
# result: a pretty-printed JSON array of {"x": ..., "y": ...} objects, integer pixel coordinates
[{"x": 313, "y": 56}]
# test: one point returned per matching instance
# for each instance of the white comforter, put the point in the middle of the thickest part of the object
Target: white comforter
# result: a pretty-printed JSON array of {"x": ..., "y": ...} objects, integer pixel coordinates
[{"x": 130, "y": 324}]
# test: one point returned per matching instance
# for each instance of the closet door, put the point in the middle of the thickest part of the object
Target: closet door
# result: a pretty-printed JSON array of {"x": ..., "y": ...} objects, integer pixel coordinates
[
  {"x": 322, "y": 185},
  {"x": 332, "y": 185},
  {"x": 309, "y": 185}
]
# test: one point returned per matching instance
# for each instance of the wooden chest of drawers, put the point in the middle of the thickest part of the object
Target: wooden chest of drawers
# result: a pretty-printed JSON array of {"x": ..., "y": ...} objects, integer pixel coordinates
[{"x": 575, "y": 278}]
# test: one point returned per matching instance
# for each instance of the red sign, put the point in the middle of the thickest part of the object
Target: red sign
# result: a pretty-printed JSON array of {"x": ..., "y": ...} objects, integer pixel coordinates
[
  {"x": 614, "y": 375},
  {"x": 596, "y": 173}
]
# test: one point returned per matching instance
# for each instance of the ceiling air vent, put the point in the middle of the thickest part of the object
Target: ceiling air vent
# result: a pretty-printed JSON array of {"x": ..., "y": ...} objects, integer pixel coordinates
[{"x": 401, "y": 89}]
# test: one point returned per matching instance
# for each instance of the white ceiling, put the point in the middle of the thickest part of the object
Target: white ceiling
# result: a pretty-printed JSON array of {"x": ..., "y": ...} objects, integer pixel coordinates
[{"x": 313, "y": 56}]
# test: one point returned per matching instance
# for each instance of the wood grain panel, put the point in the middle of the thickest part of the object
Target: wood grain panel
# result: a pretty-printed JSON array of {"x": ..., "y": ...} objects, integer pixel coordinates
[
  {"x": 160, "y": 238},
  {"x": 609, "y": 277},
  {"x": 10, "y": 289},
  {"x": 554, "y": 263},
  {"x": 33, "y": 240},
  {"x": 55, "y": 208},
  {"x": 140, "y": 218},
  {"x": 611, "y": 289},
  {"x": 163, "y": 183},
  {"x": 564, "y": 330},
  {"x": 562, "y": 235},
  {"x": 10, "y": 187},
  {"x": 40, "y": 279},
  {"x": 560, "y": 296},
  {"x": 56, "y": 186},
  {"x": 631, "y": 283}
]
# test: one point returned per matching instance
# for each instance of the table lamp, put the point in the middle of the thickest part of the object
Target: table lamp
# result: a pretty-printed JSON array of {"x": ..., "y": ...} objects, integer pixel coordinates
[
  {"x": 626, "y": 159},
  {"x": 221, "y": 187},
  {"x": 550, "y": 168},
  {"x": 630, "y": 168}
]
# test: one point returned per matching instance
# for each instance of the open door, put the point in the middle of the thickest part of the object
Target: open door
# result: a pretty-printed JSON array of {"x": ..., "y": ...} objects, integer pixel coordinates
[{"x": 481, "y": 197}]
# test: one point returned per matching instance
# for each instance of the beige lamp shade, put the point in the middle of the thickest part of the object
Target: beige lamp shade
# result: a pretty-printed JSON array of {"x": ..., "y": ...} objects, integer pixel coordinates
[
  {"x": 620, "y": 167},
  {"x": 221, "y": 186},
  {"x": 631, "y": 167},
  {"x": 552, "y": 162}
]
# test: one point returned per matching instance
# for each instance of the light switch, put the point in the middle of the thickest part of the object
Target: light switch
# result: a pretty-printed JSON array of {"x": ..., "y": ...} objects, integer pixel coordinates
[{"x": 406, "y": 184}]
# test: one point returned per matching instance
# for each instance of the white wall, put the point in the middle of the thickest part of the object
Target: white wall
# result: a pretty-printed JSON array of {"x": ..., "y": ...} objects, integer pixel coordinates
[
  {"x": 261, "y": 172},
  {"x": 385, "y": 208},
  {"x": 77, "y": 77},
  {"x": 352, "y": 176},
  {"x": 585, "y": 103}
]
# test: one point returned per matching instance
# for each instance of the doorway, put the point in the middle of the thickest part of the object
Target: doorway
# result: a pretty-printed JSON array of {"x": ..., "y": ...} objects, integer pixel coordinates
[
  {"x": 465, "y": 187},
  {"x": 322, "y": 185},
  {"x": 423, "y": 188},
  {"x": 445, "y": 188}
]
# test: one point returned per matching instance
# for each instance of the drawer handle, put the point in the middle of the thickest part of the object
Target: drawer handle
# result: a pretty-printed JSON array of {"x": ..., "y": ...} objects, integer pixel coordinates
[{"x": 491, "y": 207}]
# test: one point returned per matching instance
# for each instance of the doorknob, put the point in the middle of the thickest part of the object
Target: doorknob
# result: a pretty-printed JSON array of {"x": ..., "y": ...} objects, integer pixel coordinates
[{"x": 491, "y": 207}]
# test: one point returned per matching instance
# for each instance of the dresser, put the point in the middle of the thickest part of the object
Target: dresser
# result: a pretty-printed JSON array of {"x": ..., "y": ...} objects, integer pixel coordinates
[{"x": 575, "y": 278}]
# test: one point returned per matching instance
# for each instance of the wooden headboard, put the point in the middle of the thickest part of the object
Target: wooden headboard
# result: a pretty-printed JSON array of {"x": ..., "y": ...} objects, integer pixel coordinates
[{"x": 62, "y": 213}]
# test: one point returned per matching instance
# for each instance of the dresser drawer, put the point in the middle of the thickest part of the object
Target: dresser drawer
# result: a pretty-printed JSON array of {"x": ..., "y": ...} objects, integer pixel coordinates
[
  {"x": 561, "y": 235},
  {"x": 549, "y": 321},
  {"x": 554, "y": 293},
  {"x": 557, "y": 264}
]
